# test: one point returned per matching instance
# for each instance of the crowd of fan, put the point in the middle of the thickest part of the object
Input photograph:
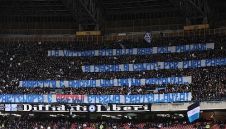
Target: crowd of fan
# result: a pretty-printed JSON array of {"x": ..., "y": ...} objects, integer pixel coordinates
[
  {"x": 11, "y": 122},
  {"x": 198, "y": 55},
  {"x": 29, "y": 61},
  {"x": 207, "y": 84}
]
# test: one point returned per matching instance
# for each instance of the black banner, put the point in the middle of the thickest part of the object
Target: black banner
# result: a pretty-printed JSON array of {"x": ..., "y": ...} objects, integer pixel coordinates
[{"x": 76, "y": 108}]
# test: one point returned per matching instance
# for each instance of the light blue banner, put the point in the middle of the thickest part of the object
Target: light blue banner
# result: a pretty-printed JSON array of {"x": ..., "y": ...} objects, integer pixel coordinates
[
  {"x": 126, "y": 99},
  {"x": 155, "y": 65},
  {"x": 133, "y": 51},
  {"x": 106, "y": 83}
]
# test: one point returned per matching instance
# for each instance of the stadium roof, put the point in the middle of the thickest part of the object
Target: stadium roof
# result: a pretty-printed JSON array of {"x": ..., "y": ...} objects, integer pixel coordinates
[{"x": 99, "y": 11}]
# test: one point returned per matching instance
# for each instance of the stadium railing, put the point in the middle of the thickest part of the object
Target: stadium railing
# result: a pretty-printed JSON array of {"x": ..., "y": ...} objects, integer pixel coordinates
[{"x": 67, "y": 35}]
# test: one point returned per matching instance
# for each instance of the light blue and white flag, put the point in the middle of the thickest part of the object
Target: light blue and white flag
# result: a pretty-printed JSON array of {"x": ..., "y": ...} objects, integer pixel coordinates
[
  {"x": 193, "y": 112},
  {"x": 11, "y": 107}
]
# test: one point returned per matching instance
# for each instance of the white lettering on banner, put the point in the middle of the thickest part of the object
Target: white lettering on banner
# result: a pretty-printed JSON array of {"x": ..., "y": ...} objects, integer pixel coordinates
[
  {"x": 163, "y": 65},
  {"x": 75, "y": 108},
  {"x": 133, "y": 51},
  {"x": 106, "y": 83},
  {"x": 104, "y": 99}
]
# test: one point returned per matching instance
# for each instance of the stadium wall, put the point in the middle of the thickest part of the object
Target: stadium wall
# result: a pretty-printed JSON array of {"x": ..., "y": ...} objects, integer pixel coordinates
[{"x": 221, "y": 105}]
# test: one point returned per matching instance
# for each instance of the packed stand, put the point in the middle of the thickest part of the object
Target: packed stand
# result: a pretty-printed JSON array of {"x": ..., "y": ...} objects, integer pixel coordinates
[
  {"x": 29, "y": 61},
  {"x": 11, "y": 122}
]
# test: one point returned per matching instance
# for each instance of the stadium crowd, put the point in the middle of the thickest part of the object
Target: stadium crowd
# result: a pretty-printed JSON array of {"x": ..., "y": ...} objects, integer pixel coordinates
[
  {"x": 29, "y": 61},
  {"x": 11, "y": 122}
]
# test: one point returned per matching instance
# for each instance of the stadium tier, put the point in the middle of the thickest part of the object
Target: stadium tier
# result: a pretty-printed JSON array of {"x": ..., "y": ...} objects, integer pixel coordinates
[
  {"x": 53, "y": 78},
  {"x": 190, "y": 72},
  {"x": 112, "y": 64}
]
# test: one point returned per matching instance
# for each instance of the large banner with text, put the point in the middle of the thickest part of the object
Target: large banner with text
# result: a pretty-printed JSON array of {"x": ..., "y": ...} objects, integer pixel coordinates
[
  {"x": 133, "y": 51},
  {"x": 106, "y": 83},
  {"x": 155, "y": 65},
  {"x": 105, "y": 99}
]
